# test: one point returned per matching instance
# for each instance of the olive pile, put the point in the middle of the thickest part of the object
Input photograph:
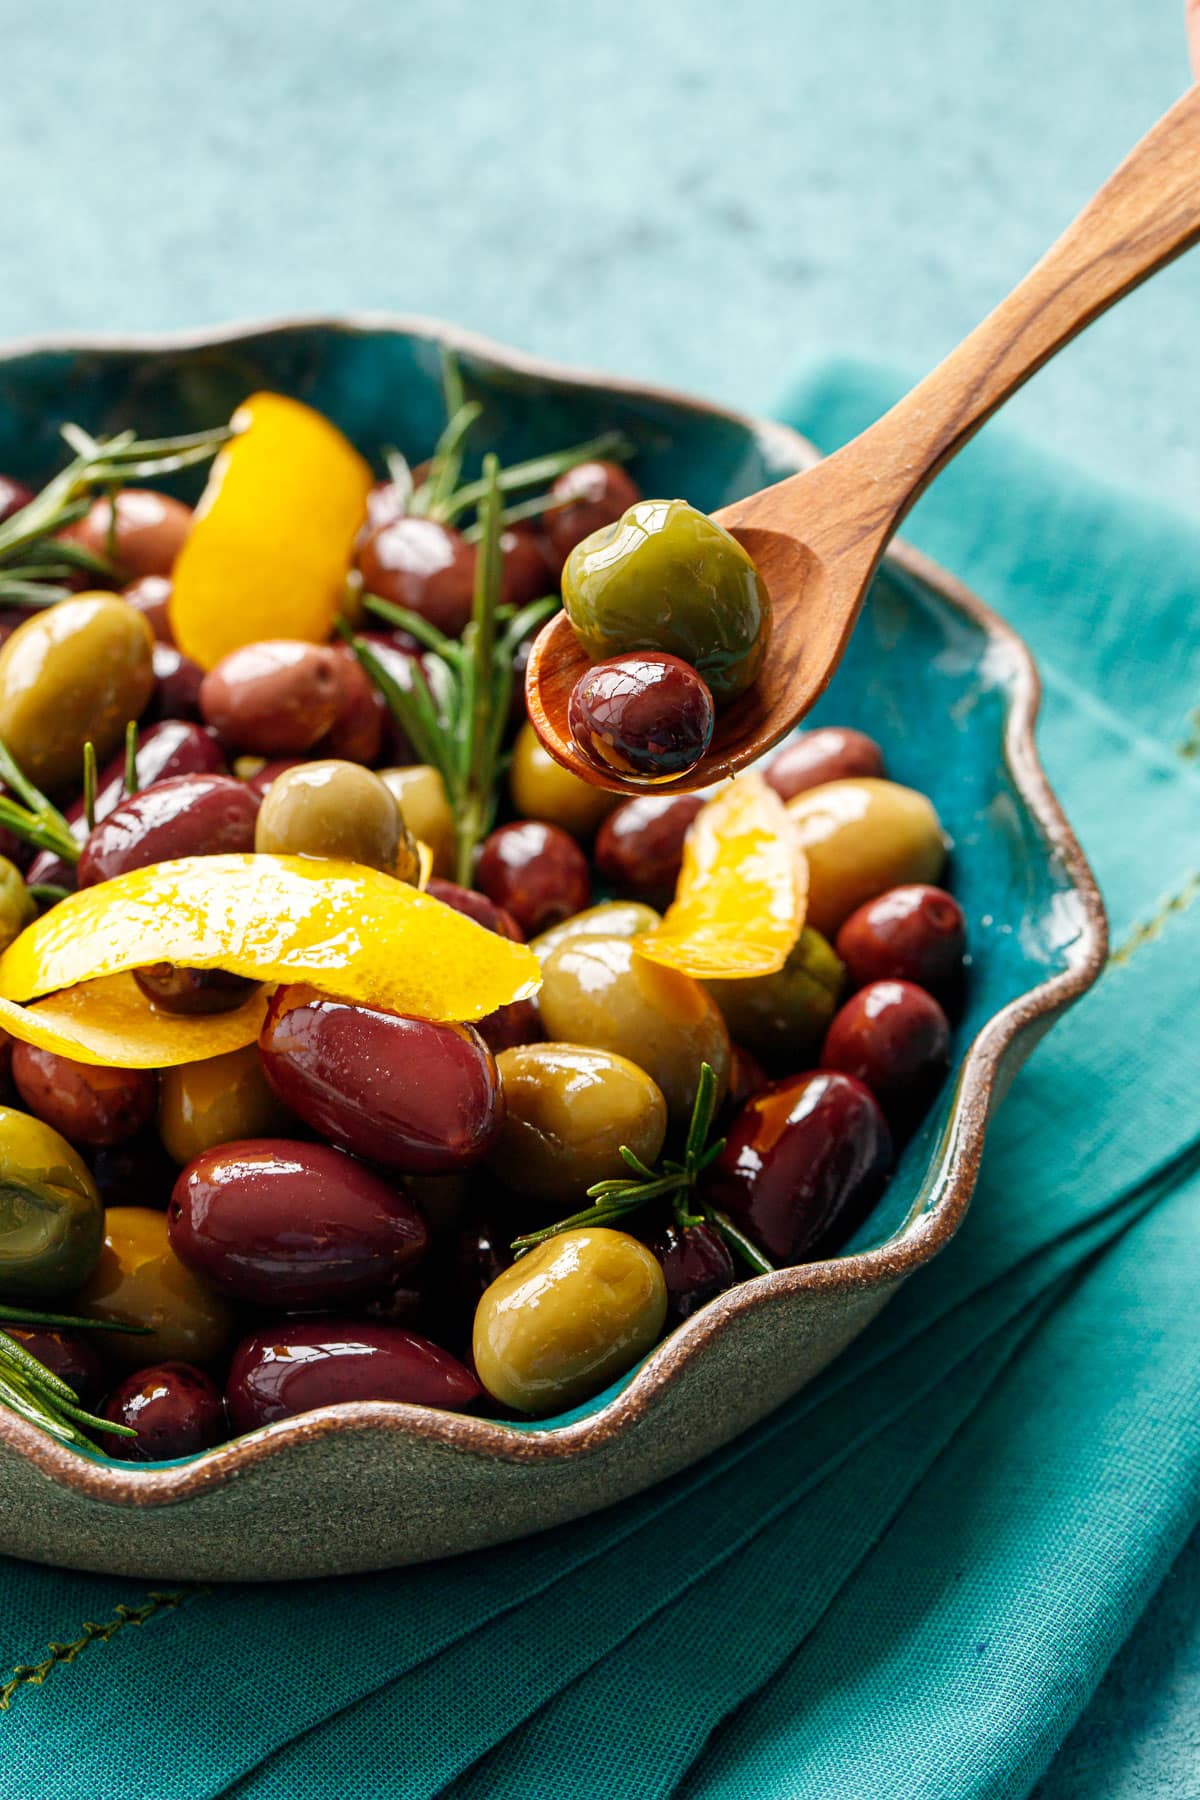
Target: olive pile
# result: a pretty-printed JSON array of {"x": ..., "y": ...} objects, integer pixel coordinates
[{"x": 330, "y": 1214}]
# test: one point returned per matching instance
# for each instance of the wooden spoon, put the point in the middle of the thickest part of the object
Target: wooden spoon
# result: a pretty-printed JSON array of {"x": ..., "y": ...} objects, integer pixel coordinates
[{"x": 818, "y": 537}]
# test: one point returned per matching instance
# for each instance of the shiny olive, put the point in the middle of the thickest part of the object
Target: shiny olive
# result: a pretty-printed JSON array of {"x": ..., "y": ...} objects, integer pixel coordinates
[
  {"x": 51, "y": 1220},
  {"x": 567, "y": 1112},
  {"x": 213, "y": 1101},
  {"x": 336, "y": 809},
  {"x": 895, "y": 1038},
  {"x": 583, "y": 499},
  {"x": 803, "y": 1162},
  {"x": 356, "y": 734},
  {"x": 289, "y": 1224},
  {"x": 509, "y": 1026},
  {"x": 782, "y": 1018},
  {"x": 832, "y": 753},
  {"x": 541, "y": 788},
  {"x": 66, "y": 1354},
  {"x": 647, "y": 717},
  {"x": 13, "y": 496},
  {"x": 176, "y": 1410},
  {"x": 422, "y": 565},
  {"x": 639, "y": 847},
  {"x": 600, "y": 992},
  {"x": 696, "y": 1266},
  {"x": 18, "y": 908},
  {"x": 147, "y": 535},
  {"x": 258, "y": 773},
  {"x": 612, "y": 918},
  {"x": 300, "y": 1364},
  {"x": 151, "y": 595},
  {"x": 195, "y": 993},
  {"x": 139, "y": 1280},
  {"x": 136, "y": 1173},
  {"x": 914, "y": 933},
  {"x": 525, "y": 573},
  {"x": 274, "y": 698},
  {"x": 517, "y": 1023},
  {"x": 409, "y": 1093},
  {"x": 746, "y": 1076},
  {"x": 189, "y": 815},
  {"x": 535, "y": 872},
  {"x": 89, "y": 1104},
  {"x": 177, "y": 684},
  {"x": 78, "y": 671},
  {"x": 567, "y": 1319},
  {"x": 862, "y": 837},
  {"x": 421, "y": 796},
  {"x": 476, "y": 906},
  {"x": 668, "y": 578}
]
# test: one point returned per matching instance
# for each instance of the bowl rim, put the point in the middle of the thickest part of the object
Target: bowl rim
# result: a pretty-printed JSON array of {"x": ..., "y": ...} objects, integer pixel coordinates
[{"x": 881, "y": 1267}]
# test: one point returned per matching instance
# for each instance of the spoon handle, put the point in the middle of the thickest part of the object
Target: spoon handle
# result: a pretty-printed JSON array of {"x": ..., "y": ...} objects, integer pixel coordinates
[{"x": 1145, "y": 215}]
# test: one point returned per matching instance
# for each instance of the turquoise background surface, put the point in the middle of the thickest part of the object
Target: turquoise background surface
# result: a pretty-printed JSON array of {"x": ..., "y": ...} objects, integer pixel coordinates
[{"x": 708, "y": 195}]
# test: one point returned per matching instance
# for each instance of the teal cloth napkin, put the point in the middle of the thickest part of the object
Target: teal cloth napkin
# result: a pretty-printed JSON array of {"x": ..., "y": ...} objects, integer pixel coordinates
[{"x": 908, "y": 1582}]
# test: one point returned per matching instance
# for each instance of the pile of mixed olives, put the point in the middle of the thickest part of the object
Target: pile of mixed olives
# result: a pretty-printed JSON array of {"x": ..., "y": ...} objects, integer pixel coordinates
[{"x": 501, "y": 1216}]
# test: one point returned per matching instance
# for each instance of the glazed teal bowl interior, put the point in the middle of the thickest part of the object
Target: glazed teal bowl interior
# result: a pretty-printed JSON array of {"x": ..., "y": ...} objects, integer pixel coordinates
[{"x": 934, "y": 681}]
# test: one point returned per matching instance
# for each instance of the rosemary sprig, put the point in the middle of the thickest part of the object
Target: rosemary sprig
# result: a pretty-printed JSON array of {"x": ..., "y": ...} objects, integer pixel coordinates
[
  {"x": 33, "y": 818},
  {"x": 36, "y": 1393},
  {"x": 537, "y": 471}
]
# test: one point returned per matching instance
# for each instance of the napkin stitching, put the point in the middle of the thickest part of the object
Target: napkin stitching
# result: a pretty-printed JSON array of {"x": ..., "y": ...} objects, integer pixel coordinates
[
  {"x": 1149, "y": 929},
  {"x": 1189, "y": 748},
  {"x": 34, "y": 1674}
]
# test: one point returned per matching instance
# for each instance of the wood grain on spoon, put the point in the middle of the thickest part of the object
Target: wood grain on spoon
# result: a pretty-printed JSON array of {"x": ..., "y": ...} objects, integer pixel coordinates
[{"x": 818, "y": 537}]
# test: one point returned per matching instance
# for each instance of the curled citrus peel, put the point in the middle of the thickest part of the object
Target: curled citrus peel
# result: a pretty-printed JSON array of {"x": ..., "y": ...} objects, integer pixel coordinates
[
  {"x": 272, "y": 537},
  {"x": 740, "y": 900},
  {"x": 343, "y": 928},
  {"x": 111, "y": 1022}
]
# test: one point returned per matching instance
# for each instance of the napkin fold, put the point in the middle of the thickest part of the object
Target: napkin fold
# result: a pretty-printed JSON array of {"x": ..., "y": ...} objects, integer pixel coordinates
[{"x": 909, "y": 1581}]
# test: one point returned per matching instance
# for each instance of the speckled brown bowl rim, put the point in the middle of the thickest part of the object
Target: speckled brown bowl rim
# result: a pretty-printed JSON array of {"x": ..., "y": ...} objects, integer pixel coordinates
[{"x": 932, "y": 1223}]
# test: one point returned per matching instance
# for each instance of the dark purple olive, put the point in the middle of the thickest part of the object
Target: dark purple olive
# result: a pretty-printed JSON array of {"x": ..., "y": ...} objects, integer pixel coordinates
[
  {"x": 259, "y": 782},
  {"x": 136, "y": 1173},
  {"x": 193, "y": 992},
  {"x": 534, "y": 871},
  {"x": 517, "y": 1023},
  {"x": 88, "y": 1104},
  {"x": 177, "y": 682},
  {"x": 13, "y": 496},
  {"x": 288, "y": 1224},
  {"x": 894, "y": 1038},
  {"x": 642, "y": 715},
  {"x": 833, "y": 753},
  {"x": 525, "y": 573},
  {"x": 190, "y": 815},
  {"x": 639, "y": 847},
  {"x": 424, "y": 566},
  {"x": 175, "y": 1409},
  {"x": 275, "y": 698},
  {"x": 146, "y": 537},
  {"x": 151, "y": 595},
  {"x": 357, "y": 732},
  {"x": 915, "y": 933},
  {"x": 803, "y": 1162},
  {"x": 303, "y": 1363},
  {"x": 480, "y": 1250},
  {"x": 696, "y": 1265},
  {"x": 67, "y": 1354},
  {"x": 746, "y": 1077},
  {"x": 583, "y": 499},
  {"x": 476, "y": 906},
  {"x": 408, "y": 1093}
]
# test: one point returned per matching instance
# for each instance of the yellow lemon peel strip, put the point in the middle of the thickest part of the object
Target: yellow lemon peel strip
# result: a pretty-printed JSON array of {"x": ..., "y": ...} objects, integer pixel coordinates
[
  {"x": 343, "y": 928},
  {"x": 740, "y": 901},
  {"x": 273, "y": 535},
  {"x": 111, "y": 1022}
]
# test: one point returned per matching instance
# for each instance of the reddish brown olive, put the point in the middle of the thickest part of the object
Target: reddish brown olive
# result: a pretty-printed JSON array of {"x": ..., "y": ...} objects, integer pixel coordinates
[
  {"x": 190, "y": 815},
  {"x": 534, "y": 871},
  {"x": 476, "y": 906},
  {"x": 67, "y": 1354},
  {"x": 746, "y": 1077},
  {"x": 639, "y": 848},
  {"x": 424, "y": 566},
  {"x": 151, "y": 595},
  {"x": 645, "y": 716},
  {"x": 177, "y": 683},
  {"x": 89, "y": 1104},
  {"x": 175, "y": 1409},
  {"x": 914, "y": 933},
  {"x": 275, "y": 698},
  {"x": 696, "y": 1265},
  {"x": 803, "y": 1162},
  {"x": 894, "y": 1038},
  {"x": 193, "y": 992},
  {"x": 525, "y": 573},
  {"x": 832, "y": 753},
  {"x": 148, "y": 535},
  {"x": 300, "y": 1364},
  {"x": 13, "y": 496},
  {"x": 583, "y": 499},
  {"x": 408, "y": 1093},
  {"x": 508, "y": 1026},
  {"x": 357, "y": 732},
  {"x": 287, "y": 1224}
]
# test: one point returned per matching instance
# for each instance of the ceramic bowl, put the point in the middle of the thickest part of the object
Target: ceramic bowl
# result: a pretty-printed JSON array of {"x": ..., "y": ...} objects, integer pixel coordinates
[{"x": 952, "y": 694}]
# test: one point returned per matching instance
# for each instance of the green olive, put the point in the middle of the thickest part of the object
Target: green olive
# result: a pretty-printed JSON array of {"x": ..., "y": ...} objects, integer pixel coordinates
[
  {"x": 216, "y": 1101},
  {"x": 17, "y": 905},
  {"x": 861, "y": 837},
  {"x": 51, "y": 1219},
  {"x": 542, "y": 789},
  {"x": 782, "y": 1018},
  {"x": 666, "y": 577},
  {"x": 420, "y": 794},
  {"x": 567, "y": 1112},
  {"x": 567, "y": 1319},
  {"x": 612, "y": 918},
  {"x": 599, "y": 991},
  {"x": 139, "y": 1280},
  {"x": 78, "y": 671},
  {"x": 336, "y": 809}
]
